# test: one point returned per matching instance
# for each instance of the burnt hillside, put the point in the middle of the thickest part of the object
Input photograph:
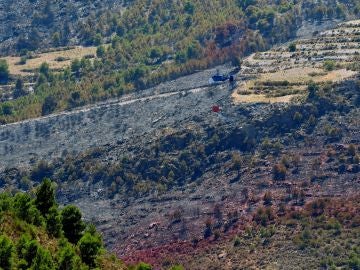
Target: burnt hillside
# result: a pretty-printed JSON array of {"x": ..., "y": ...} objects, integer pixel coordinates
[{"x": 32, "y": 24}]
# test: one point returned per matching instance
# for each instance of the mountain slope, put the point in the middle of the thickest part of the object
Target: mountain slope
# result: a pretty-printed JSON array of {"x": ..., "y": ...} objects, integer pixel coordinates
[{"x": 183, "y": 37}]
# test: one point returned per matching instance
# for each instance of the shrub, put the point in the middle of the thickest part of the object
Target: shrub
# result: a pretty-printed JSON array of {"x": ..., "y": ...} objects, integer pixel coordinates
[
  {"x": 268, "y": 198},
  {"x": 313, "y": 88},
  {"x": 237, "y": 242},
  {"x": 329, "y": 65},
  {"x": 49, "y": 105},
  {"x": 279, "y": 172},
  {"x": 42, "y": 170},
  {"x": 19, "y": 89},
  {"x": 237, "y": 162},
  {"x": 7, "y": 109},
  {"x": 263, "y": 216},
  {"x": 208, "y": 229},
  {"x": 354, "y": 261},
  {"x": 292, "y": 47},
  {"x": 4, "y": 71},
  {"x": 143, "y": 266}
]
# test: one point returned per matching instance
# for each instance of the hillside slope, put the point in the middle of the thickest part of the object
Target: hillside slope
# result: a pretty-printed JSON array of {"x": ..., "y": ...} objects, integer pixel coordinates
[
  {"x": 36, "y": 234},
  {"x": 153, "y": 42},
  {"x": 31, "y": 25},
  {"x": 167, "y": 177}
]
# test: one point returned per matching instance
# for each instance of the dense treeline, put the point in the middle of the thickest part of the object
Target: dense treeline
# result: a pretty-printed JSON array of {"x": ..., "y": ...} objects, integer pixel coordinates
[
  {"x": 156, "y": 41},
  {"x": 36, "y": 234}
]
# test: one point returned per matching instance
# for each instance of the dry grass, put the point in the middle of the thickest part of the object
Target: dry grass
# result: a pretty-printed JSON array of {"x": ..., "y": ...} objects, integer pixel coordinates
[
  {"x": 254, "y": 98},
  {"x": 50, "y": 58},
  {"x": 281, "y": 75}
]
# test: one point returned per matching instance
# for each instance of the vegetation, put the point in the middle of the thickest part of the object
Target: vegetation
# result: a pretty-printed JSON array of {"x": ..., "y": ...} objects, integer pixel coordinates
[
  {"x": 4, "y": 71},
  {"x": 36, "y": 234},
  {"x": 184, "y": 37}
]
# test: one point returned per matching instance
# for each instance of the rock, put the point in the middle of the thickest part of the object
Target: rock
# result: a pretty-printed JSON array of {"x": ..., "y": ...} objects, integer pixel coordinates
[{"x": 222, "y": 255}]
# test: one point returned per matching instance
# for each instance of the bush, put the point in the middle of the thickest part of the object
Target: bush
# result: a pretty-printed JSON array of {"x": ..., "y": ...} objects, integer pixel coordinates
[
  {"x": 268, "y": 198},
  {"x": 143, "y": 266},
  {"x": 4, "y": 71},
  {"x": 7, "y": 109},
  {"x": 292, "y": 47},
  {"x": 279, "y": 172},
  {"x": 237, "y": 242},
  {"x": 42, "y": 170},
  {"x": 354, "y": 261},
  {"x": 313, "y": 88},
  {"x": 19, "y": 89},
  {"x": 329, "y": 65},
  {"x": 49, "y": 105}
]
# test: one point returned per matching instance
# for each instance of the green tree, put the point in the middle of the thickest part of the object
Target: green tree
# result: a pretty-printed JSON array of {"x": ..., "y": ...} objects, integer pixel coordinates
[
  {"x": 6, "y": 253},
  {"x": 72, "y": 224},
  {"x": 26, "y": 250},
  {"x": 75, "y": 67},
  {"x": 45, "y": 197},
  {"x": 25, "y": 209},
  {"x": 4, "y": 71},
  {"x": 100, "y": 51},
  {"x": 89, "y": 246},
  {"x": 53, "y": 222},
  {"x": 42, "y": 260},
  {"x": 68, "y": 259}
]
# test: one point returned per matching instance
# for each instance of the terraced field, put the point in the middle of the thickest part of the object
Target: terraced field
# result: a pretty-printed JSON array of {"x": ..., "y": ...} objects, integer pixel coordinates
[
  {"x": 57, "y": 59},
  {"x": 283, "y": 73}
]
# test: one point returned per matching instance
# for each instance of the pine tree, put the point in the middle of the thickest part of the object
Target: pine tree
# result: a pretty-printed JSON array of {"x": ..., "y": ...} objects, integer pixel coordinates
[
  {"x": 72, "y": 224},
  {"x": 45, "y": 197},
  {"x": 6, "y": 253}
]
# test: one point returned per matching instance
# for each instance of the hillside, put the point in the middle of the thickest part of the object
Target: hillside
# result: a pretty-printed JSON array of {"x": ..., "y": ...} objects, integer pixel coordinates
[
  {"x": 36, "y": 234},
  {"x": 192, "y": 134},
  {"x": 164, "y": 177},
  {"x": 39, "y": 24},
  {"x": 172, "y": 39}
]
